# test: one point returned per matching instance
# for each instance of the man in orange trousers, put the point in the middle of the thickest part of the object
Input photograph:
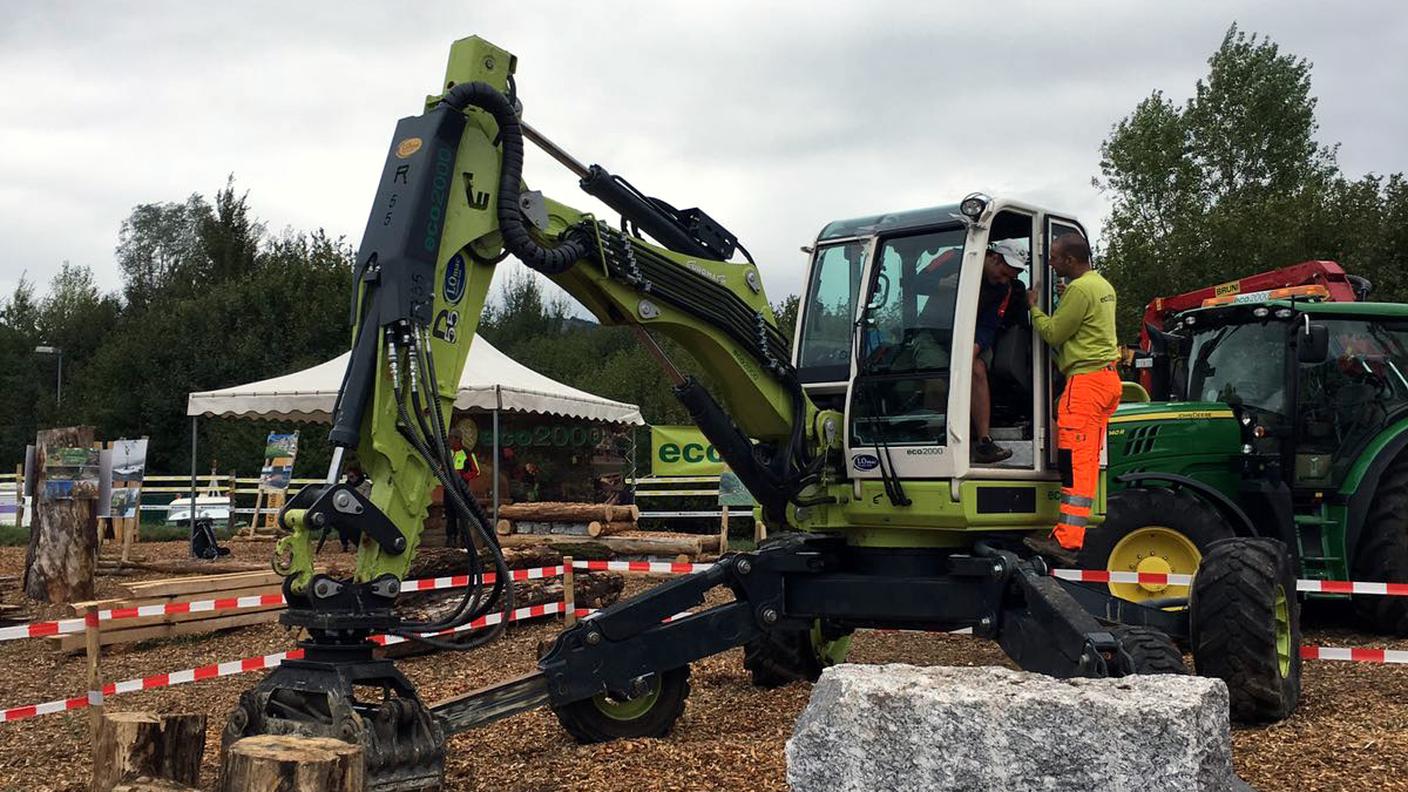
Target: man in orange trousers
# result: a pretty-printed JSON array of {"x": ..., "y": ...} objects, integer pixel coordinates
[{"x": 1082, "y": 331}]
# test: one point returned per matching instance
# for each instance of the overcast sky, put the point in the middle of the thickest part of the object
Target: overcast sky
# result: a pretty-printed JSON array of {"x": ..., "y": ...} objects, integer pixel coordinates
[{"x": 775, "y": 118}]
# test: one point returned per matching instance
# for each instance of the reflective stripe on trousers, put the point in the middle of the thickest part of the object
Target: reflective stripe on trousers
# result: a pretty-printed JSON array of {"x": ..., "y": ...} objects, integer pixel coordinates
[{"x": 1081, "y": 417}]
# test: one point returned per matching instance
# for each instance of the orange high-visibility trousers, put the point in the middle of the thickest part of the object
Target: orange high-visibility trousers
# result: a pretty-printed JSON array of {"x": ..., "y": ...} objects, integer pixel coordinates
[{"x": 1081, "y": 418}]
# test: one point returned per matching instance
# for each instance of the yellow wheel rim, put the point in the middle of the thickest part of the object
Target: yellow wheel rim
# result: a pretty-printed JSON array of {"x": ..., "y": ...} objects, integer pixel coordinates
[
  {"x": 1283, "y": 633},
  {"x": 1153, "y": 549}
]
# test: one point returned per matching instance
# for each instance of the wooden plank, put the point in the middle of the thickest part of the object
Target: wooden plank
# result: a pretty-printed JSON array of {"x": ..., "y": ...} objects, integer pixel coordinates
[
  {"x": 201, "y": 583},
  {"x": 75, "y": 642}
]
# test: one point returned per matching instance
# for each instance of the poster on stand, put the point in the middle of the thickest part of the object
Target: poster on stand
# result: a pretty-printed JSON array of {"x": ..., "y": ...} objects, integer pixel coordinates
[
  {"x": 123, "y": 503},
  {"x": 129, "y": 459},
  {"x": 279, "y": 452}
]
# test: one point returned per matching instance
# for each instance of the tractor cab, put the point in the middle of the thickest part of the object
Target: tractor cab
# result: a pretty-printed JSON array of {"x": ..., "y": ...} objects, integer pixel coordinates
[
  {"x": 899, "y": 311},
  {"x": 1313, "y": 383}
]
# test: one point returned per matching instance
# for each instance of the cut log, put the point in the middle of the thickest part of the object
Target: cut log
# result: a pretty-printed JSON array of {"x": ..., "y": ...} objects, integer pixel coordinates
[
  {"x": 193, "y": 566},
  {"x": 539, "y": 528},
  {"x": 640, "y": 543},
  {"x": 503, "y": 527},
  {"x": 551, "y": 511},
  {"x": 283, "y": 763},
  {"x": 610, "y": 528},
  {"x": 63, "y": 542},
  {"x": 203, "y": 584},
  {"x": 135, "y": 744}
]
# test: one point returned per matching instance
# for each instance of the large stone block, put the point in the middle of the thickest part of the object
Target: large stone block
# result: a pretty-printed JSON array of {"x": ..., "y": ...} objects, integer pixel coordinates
[{"x": 899, "y": 727}]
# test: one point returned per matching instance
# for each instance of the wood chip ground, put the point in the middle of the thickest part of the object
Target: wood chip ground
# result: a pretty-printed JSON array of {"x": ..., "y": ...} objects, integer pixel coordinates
[{"x": 1350, "y": 733}]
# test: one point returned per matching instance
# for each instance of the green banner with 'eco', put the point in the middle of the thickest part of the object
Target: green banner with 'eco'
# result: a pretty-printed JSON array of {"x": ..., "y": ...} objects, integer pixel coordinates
[{"x": 683, "y": 451}]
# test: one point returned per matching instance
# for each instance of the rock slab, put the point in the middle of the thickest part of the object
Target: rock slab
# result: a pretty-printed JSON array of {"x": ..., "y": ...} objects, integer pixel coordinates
[{"x": 900, "y": 727}]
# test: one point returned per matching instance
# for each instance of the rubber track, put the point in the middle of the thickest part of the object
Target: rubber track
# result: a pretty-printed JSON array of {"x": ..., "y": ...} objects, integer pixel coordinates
[{"x": 1234, "y": 630}]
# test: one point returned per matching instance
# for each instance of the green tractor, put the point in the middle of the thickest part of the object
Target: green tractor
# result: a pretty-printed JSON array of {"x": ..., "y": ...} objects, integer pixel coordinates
[{"x": 1283, "y": 418}]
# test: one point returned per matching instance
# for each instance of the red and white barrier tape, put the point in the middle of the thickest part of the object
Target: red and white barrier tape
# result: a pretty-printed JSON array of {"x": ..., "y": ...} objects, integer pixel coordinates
[
  {"x": 665, "y": 567},
  {"x": 1173, "y": 579},
  {"x": 68, "y": 626},
  {"x": 519, "y": 614},
  {"x": 237, "y": 667},
  {"x": 1355, "y": 654},
  {"x": 150, "y": 682},
  {"x": 1104, "y": 576}
]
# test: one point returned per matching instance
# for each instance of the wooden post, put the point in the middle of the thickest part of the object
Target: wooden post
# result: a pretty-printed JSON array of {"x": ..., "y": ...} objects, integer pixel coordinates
[
  {"x": 569, "y": 592},
  {"x": 760, "y": 532},
  {"x": 93, "y": 647},
  {"x": 19, "y": 496},
  {"x": 284, "y": 763},
  {"x": 723, "y": 530},
  {"x": 133, "y": 745},
  {"x": 63, "y": 541}
]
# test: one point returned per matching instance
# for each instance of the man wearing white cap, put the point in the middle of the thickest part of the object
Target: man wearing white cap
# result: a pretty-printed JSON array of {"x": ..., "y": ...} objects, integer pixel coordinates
[{"x": 1004, "y": 262}]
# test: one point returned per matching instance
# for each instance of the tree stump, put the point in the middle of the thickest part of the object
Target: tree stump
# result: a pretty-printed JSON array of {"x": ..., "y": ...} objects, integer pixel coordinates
[
  {"x": 132, "y": 745},
  {"x": 283, "y": 763},
  {"x": 146, "y": 784},
  {"x": 63, "y": 542}
]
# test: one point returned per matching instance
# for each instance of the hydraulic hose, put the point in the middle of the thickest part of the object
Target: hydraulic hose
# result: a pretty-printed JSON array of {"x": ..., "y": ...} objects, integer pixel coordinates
[{"x": 517, "y": 239}]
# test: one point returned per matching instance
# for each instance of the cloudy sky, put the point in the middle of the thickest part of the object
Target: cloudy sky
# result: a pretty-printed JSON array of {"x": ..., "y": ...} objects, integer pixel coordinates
[{"x": 773, "y": 117}]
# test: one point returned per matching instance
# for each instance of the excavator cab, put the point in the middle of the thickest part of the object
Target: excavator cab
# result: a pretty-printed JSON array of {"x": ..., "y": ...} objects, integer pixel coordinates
[{"x": 892, "y": 323}]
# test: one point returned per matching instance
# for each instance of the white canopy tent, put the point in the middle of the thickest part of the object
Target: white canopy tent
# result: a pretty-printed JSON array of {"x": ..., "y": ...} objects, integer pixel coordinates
[{"x": 492, "y": 382}]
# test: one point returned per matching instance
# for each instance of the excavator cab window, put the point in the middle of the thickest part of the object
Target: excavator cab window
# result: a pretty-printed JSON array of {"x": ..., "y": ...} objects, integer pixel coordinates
[
  {"x": 900, "y": 395},
  {"x": 828, "y": 314}
]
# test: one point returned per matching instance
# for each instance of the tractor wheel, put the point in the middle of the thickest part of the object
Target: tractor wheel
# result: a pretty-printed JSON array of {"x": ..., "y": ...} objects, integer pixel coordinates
[
  {"x": 780, "y": 658},
  {"x": 1150, "y": 651},
  {"x": 1245, "y": 626},
  {"x": 1152, "y": 529},
  {"x": 1382, "y": 554},
  {"x": 653, "y": 713}
]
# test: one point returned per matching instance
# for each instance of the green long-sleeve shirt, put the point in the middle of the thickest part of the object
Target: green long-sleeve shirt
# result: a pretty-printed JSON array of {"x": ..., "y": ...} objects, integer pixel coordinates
[{"x": 1082, "y": 330}]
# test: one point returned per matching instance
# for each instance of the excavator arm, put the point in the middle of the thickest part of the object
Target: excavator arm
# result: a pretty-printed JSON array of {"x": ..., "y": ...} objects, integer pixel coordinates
[{"x": 450, "y": 204}]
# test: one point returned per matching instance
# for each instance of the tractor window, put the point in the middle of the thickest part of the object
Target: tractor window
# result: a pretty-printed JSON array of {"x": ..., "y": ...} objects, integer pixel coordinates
[
  {"x": 824, "y": 353},
  {"x": 1352, "y": 396},
  {"x": 1241, "y": 364},
  {"x": 901, "y": 389}
]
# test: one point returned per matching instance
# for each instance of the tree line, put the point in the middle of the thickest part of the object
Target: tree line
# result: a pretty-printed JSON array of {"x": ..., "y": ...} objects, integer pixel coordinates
[
  {"x": 1233, "y": 181},
  {"x": 1229, "y": 182}
]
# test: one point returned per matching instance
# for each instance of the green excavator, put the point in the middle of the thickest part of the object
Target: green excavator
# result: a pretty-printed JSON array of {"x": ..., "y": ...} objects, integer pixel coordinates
[{"x": 855, "y": 442}]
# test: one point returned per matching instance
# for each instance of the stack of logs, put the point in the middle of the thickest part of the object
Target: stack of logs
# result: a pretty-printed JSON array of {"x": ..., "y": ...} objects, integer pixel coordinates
[{"x": 595, "y": 530}]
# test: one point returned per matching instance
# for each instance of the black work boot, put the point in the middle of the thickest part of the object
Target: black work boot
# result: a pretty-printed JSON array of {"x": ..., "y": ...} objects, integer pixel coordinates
[
  {"x": 1050, "y": 548},
  {"x": 986, "y": 452}
]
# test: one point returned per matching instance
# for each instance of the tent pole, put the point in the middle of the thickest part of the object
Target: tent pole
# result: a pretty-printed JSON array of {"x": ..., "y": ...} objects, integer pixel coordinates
[
  {"x": 496, "y": 459},
  {"x": 192, "y": 538}
]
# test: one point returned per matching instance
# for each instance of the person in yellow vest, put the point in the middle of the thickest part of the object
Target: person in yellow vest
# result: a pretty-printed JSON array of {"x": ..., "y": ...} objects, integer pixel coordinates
[
  {"x": 466, "y": 464},
  {"x": 1082, "y": 331}
]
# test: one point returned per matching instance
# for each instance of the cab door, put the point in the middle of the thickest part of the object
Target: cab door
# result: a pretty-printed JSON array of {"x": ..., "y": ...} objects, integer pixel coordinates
[
  {"x": 905, "y": 415},
  {"x": 1049, "y": 290}
]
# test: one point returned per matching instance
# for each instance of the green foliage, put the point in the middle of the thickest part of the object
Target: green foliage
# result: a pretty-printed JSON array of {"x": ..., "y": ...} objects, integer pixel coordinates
[
  {"x": 1233, "y": 182},
  {"x": 209, "y": 300}
]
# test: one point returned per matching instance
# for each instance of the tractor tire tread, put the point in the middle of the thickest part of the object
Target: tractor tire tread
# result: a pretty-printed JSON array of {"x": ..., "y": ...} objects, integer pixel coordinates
[
  {"x": 1234, "y": 629},
  {"x": 1382, "y": 554}
]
